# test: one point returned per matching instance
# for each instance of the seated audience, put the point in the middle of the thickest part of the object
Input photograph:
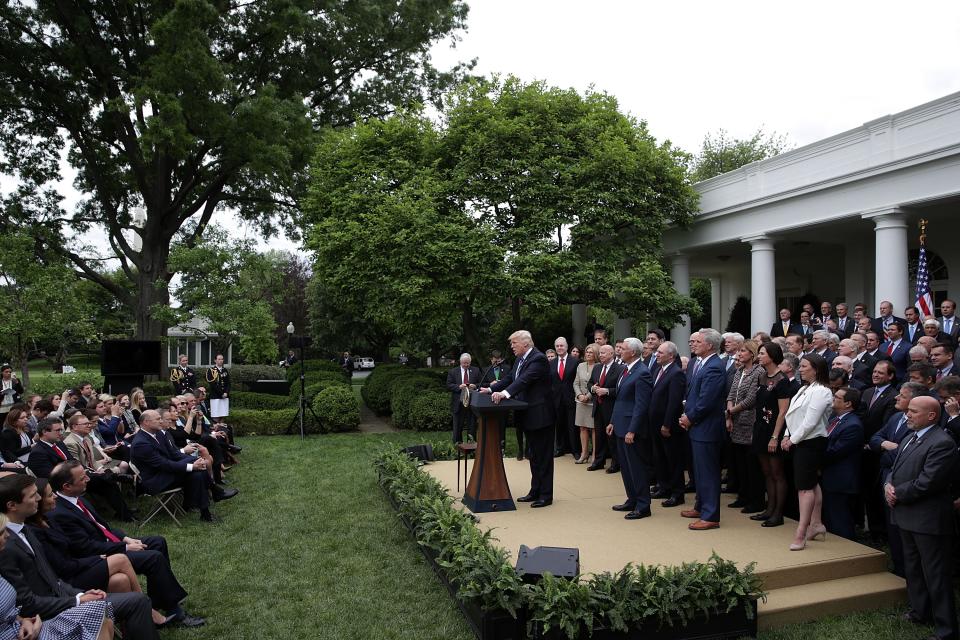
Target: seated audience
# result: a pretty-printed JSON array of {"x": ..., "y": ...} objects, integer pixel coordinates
[
  {"x": 104, "y": 474},
  {"x": 48, "y": 451},
  {"x": 15, "y": 442}
]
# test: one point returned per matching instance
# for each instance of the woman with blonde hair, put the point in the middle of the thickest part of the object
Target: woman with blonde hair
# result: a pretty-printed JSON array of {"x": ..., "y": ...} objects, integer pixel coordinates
[{"x": 581, "y": 392}]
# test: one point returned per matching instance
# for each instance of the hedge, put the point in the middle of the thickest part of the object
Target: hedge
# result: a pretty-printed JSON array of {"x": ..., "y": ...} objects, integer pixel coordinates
[
  {"x": 245, "y": 373},
  {"x": 337, "y": 408},
  {"x": 313, "y": 389},
  {"x": 253, "y": 400},
  {"x": 376, "y": 388},
  {"x": 403, "y": 390},
  {"x": 248, "y": 422},
  {"x": 313, "y": 366},
  {"x": 56, "y": 382},
  {"x": 431, "y": 411},
  {"x": 312, "y": 379}
]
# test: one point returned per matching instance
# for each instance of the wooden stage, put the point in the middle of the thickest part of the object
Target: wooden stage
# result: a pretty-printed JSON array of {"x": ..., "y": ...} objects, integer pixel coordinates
[{"x": 829, "y": 577}]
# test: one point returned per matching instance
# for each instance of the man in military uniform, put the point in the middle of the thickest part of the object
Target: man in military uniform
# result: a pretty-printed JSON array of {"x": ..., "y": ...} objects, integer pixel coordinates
[
  {"x": 183, "y": 378},
  {"x": 219, "y": 380}
]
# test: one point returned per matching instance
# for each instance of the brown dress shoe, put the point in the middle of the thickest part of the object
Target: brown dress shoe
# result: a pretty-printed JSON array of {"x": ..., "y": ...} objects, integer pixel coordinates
[
  {"x": 703, "y": 525},
  {"x": 690, "y": 513}
]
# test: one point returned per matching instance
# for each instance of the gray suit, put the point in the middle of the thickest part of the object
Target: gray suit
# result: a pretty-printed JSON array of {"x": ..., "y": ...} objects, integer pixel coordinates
[{"x": 921, "y": 477}]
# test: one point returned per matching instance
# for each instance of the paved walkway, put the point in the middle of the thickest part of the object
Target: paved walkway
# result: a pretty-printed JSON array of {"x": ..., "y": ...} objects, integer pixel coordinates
[{"x": 372, "y": 423}]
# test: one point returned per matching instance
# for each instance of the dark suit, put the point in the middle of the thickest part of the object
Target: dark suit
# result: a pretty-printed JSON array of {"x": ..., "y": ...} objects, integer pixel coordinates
[
  {"x": 43, "y": 458},
  {"x": 603, "y": 411},
  {"x": 921, "y": 477},
  {"x": 529, "y": 380},
  {"x": 849, "y": 324},
  {"x": 40, "y": 592},
  {"x": 954, "y": 333},
  {"x": 827, "y": 355},
  {"x": 705, "y": 409},
  {"x": 11, "y": 447},
  {"x": 820, "y": 321},
  {"x": 873, "y": 415},
  {"x": 917, "y": 332},
  {"x": 895, "y": 430},
  {"x": 462, "y": 416},
  {"x": 840, "y": 478},
  {"x": 900, "y": 357},
  {"x": 877, "y": 324},
  {"x": 163, "y": 467},
  {"x": 776, "y": 331},
  {"x": 565, "y": 404},
  {"x": 631, "y": 414},
  {"x": 666, "y": 405},
  {"x": 87, "y": 539}
]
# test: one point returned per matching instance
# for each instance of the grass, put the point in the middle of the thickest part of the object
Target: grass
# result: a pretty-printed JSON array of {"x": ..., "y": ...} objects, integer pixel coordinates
[{"x": 312, "y": 549}]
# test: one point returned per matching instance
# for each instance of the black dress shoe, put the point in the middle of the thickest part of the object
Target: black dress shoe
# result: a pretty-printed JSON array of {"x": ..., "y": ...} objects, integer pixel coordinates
[
  {"x": 224, "y": 494},
  {"x": 596, "y": 466},
  {"x": 637, "y": 515},
  {"x": 558, "y": 454},
  {"x": 752, "y": 508},
  {"x": 690, "y": 488},
  {"x": 760, "y": 517},
  {"x": 520, "y": 457},
  {"x": 530, "y": 497},
  {"x": 913, "y": 617},
  {"x": 672, "y": 502},
  {"x": 206, "y": 516},
  {"x": 659, "y": 495},
  {"x": 186, "y": 620},
  {"x": 737, "y": 504},
  {"x": 614, "y": 469},
  {"x": 541, "y": 503},
  {"x": 772, "y": 522},
  {"x": 232, "y": 448},
  {"x": 626, "y": 506}
]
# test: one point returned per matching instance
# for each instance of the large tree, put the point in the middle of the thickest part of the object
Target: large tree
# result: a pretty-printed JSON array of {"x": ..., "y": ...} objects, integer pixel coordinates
[
  {"x": 181, "y": 108},
  {"x": 721, "y": 153}
]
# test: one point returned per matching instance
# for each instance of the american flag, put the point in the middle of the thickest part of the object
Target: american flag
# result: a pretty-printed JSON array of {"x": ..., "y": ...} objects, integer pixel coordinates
[{"x": 924, "y": 300}]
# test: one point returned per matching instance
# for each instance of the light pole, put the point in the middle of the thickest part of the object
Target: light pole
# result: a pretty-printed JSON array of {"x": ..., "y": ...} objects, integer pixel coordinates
[{"x": 300, "y": 342}]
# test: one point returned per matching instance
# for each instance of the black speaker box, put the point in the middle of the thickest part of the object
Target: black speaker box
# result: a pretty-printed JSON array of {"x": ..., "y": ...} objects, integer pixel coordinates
[
  {"x": 562, "y": 562},
  {"x": 422, "y": 452}
]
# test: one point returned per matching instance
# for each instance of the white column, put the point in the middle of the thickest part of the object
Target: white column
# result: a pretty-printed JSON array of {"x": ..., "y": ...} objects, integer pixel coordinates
[
  {"x": 579, "y": 312},
  {"x": 680, "y": 334},
  {"x": 891, "y": 279},
  {"x": 716, "y": 303},
  {"x": 763, "y": 283}
]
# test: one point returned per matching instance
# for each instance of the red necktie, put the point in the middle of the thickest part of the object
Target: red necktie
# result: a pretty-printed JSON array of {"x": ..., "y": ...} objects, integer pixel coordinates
[
  {"x": 603, "y": 376},
  {"x": 833, "y": 425},
  {"x": 890, "y": 349},
  {"x": 560, "y": 368},
  {"x": 59, "y": 453},
  {"x": 106, "y": 532},
  {"x": 659, "y": 375},
  {"x": 466, "y": 376}
]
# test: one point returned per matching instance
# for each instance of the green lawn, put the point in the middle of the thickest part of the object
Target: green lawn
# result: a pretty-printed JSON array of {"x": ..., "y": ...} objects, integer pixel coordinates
[{"x": 311, "y": 549}]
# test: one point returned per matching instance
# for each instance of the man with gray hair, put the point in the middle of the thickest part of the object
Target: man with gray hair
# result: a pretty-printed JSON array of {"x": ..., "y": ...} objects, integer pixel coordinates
[
  {"x": 703, "y": 418},
  {"x": 732, "y": 342},
  {"x": 459, "y": 378},
  {"x": 669, "y": 440},
  {"x": 563, "y": 371},
  {"x": 821, "y": 345}
]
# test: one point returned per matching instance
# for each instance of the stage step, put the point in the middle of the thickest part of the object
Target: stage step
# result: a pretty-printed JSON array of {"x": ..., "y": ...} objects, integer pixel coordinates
[
  {"x": 828, "y": 569},
  {"x": 802, "y": 603}
]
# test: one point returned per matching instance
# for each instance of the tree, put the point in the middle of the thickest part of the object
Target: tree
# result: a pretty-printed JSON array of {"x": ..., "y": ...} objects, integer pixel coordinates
[
  {"x": 181, "y": 108},
  {"x": 38, "y": 293},
  {"x": 720, "y": 153}
]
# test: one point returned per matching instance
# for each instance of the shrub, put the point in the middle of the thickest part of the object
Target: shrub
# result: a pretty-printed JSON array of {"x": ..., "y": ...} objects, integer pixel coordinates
[
  {"x": 440, "y": 375},
  {"x": 248, "y": 422},
  {"x": 430, "y": 411},
  {"x": 245, "y": 373},
  {"x": 376, "y": 388},
  {"x": 403, "y": 390},
  {"x": 157, "y": 388},
  {"x": 312, "y": 367},
  {"x": 312, "y": 390},
  {"x": 337, "y": 408},
  {"x": 56, "y": 382},
  {"x": 323, "y": 378},
  {"x": 252, "y": 400}
]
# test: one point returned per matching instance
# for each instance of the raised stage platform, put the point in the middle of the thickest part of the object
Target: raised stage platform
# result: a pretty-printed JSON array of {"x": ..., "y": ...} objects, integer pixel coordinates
[{"x": 831, "y": 577}]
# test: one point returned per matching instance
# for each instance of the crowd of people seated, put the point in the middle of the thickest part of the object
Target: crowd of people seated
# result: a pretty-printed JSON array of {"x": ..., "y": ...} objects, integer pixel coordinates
[
  {"x": 846, "y": 423},
  {"x": 65, "y": 570}
]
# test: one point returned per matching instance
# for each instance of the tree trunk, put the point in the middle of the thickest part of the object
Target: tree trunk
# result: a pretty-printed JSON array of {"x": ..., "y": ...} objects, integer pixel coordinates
[
  {"x": 24, "y": 368},
  {"x": 515, "y": 311},
  {"x": 153, "y": 289},
  {"x": 470, "y": 335}
]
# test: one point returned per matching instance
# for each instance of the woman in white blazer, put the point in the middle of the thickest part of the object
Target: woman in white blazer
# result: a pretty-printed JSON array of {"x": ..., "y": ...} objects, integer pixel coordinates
[{"x": 805, "y": 435}]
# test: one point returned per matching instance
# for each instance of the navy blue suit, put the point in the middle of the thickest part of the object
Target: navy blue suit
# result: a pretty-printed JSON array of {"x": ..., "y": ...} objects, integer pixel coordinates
[
  {"x": 705, "y": 406},
  {"x": 43, "y": 458},
  {"x": 631, "y": 414},
  {"x": 666, "y": 405},
  {"x": 840, "y": 481},
  {"x": 895, "y": 430},
  {"x": 900, "y": 357},
  {"x": 163, "y": 467},
  {"x": 529, "y": 380}
]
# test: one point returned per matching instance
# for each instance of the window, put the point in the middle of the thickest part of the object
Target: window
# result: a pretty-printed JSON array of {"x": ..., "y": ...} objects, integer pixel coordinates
[
  {"x": 206, "y": 359},
  {"x": 175, "y": 348}
]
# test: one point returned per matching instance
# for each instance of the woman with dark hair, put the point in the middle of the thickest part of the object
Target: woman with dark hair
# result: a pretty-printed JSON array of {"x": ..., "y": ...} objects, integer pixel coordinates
[
  {"x": 741, "y": 416},
  {"x": 773, "y": 399},
  {"x": 806, "y": 435},
  {"x": 113, "y": 573},
  {"x": 10, "y": 389},
  {"x": 15, "y": 441}
]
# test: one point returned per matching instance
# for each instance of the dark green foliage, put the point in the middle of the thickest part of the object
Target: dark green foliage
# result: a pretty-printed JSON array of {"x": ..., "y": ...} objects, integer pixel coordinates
[
  {"x": 57, "y": 382},
  {"x": 376, "y": 388},
  {"x": 323, "y": 378},
  {"x": 721, "y": 154},
  {"x": 311, "y": 367},
  {"x": 403, "y": 391},
  {"x": 252, "y": 400},
  {"x": 701, "y": 291},
  {"x": 312, "y": 389},
  {"x": 247, "y": 422},
  {"x": 739, "y": 317},
  {"x": 430, "y": 411},
  {"x": 337, "y": 408},
  {"x": 246, "y": 373}
]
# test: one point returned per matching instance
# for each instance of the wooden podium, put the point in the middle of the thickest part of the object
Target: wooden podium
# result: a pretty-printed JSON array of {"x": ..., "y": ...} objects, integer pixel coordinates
[{"x": 488, "y": 489}]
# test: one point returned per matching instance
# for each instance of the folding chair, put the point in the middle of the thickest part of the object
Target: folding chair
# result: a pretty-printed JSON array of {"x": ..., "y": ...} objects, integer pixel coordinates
[{"x": 170, "y": 500}]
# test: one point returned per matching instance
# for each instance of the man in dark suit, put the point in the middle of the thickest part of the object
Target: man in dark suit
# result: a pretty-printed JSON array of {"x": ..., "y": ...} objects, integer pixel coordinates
[
  {"x": 529, "y": 381},
  {"x": 918, "y": 492},
  {"x": 876, "y": 407},
  {"x": 39, "y": 591},
  {"x": 345, "y": 362},
  {"x": 162, "y": 466},
  {"x": 703, "y": 418},
  {"x": 630, "y": 422},
  {"x": 785, "y": 327},
  {"x": 669, "y": 440},
  {"x": 897, "y": 349},
  {"x": 459, "y": 378},
  {"x": 841, "y": 471},
  {"x": 563, "y": 371},
  {"x": 655, "y": 338},
  {"x": 912, "y": 327},
  {"x": 948, "y": 321},
  {"x": 886, "y": 317},
  {"x": 603, "y": 380},
  {"x": 826, "y": 315},
  {"x": 805, "y": 327},
  {"x": 48, "y": 451},
  {"x": 845, "y": 324},
  {"x": 941, "y": 357},
  {"x": 91, "y": 535},
  {"x": 821, "y": 346},
  {"x": 886, "y": 443}
]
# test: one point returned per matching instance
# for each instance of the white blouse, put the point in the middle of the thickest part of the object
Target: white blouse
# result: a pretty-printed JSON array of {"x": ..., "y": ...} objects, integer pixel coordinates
[{"x": 809, "y": 413}]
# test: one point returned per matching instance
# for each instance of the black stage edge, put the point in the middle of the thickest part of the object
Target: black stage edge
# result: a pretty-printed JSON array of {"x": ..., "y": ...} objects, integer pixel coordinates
[{"x": 500, "y": 625}]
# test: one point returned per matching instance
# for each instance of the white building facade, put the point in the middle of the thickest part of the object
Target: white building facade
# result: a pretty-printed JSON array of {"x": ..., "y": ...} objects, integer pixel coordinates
[{"x": 838, "y": 218}]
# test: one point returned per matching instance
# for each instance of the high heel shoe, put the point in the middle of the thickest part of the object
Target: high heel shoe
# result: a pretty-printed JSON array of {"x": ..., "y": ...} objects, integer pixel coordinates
[
  {"x": 798, "y": 547},
  {"x": 819, "y": 531},
  {"x": 580, "y": 461}
]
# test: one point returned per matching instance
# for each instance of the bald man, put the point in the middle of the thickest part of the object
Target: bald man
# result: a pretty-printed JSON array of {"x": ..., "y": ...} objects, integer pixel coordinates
[{"x": 918, "y": 492}]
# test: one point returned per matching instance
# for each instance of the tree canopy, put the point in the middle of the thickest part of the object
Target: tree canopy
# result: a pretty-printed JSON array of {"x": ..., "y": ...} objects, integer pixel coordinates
[
  {"x": 181, "y": 108},
  {"x": 721, "y": 153}
]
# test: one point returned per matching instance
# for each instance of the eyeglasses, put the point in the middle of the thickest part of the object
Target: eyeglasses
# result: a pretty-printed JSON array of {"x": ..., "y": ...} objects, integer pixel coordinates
[{"x": 83, "y": 424}]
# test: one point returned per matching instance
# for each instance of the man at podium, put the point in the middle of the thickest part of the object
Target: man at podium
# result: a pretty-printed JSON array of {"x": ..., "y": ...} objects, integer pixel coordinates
[{"x": 529, "y": 380}]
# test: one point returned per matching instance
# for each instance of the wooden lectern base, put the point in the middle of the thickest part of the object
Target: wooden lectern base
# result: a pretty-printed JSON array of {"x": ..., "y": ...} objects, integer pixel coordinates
[{"x": 488, "y": 489}]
